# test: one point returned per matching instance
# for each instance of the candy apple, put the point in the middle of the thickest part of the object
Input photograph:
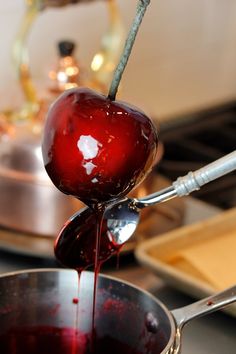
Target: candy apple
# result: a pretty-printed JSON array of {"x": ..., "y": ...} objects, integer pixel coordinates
[{"x": 97, "y": 149}]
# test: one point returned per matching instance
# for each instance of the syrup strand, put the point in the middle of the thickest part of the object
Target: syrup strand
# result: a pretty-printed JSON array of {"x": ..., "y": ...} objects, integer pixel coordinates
[
  {"x": 76, "y": 331},
  {"x": 99, "y": 214},
  {"x": 118, "y": 259},
  {"x": 140, "y": 12}
]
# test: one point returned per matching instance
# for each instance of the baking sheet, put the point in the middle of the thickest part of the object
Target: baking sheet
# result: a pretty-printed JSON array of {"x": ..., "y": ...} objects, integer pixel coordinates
[{"x": 162, "y": 254}]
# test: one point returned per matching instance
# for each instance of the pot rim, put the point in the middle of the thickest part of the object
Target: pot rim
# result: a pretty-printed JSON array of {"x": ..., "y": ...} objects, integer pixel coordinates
[{"x": 172, "y": 336}]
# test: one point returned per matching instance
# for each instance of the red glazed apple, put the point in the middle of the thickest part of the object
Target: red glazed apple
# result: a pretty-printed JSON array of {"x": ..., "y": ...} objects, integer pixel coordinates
[{"x": 97, "y": 149}]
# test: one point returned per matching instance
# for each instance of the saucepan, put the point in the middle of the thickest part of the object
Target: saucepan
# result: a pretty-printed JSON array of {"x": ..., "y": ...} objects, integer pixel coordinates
[{"x": 44, "y": 311}]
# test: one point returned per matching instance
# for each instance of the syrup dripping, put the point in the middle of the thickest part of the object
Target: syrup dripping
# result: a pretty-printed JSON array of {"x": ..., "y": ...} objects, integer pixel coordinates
[
  {"x": 99, "y": 210},
  {"x": 84, "y": 242},
  {"x": 75, "y": 247}
]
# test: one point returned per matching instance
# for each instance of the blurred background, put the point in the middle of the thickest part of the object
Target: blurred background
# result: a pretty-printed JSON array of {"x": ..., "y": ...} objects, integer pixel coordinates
[
  {"x": 184, "y": 58},
  {"x": 181, "y": 72}
]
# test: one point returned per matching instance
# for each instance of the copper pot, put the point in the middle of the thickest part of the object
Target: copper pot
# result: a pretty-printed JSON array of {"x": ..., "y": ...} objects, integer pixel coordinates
[
  {"x": 29, "y": 202},
  {"x": 124, "y": 313}
]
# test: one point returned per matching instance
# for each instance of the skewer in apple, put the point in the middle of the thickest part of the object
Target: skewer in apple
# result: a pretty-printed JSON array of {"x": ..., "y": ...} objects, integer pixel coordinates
[{"x": 95, "y": 147}]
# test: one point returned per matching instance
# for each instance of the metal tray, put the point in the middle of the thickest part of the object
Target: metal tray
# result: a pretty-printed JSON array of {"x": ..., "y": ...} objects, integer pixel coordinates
[{"x": 161, "y": 254}]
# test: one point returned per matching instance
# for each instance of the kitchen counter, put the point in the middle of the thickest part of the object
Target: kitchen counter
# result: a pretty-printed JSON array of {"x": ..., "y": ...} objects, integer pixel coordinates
[{"x": 215, "y": 333}]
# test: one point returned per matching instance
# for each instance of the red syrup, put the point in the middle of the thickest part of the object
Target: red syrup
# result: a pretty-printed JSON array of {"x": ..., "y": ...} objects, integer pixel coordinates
[
  {"x": 75, "y": 246},
  {"x": 84, "y": 242},
  {"x": 53, "y": 340},
  {"x": 99, "y": 210}
]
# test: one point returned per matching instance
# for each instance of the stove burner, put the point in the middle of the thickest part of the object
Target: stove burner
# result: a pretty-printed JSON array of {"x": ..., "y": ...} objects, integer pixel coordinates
[{"x": 192, "y": 141}]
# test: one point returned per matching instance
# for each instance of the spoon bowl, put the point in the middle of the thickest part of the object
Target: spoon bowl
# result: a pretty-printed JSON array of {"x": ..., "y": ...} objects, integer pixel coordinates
[{"x": 76, "y": 244}]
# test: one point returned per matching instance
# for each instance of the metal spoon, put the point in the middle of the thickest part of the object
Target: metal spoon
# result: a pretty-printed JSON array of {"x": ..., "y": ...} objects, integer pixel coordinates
[
  {"x": 75, "y": 246},
  {"x": 122, "y": 217}
]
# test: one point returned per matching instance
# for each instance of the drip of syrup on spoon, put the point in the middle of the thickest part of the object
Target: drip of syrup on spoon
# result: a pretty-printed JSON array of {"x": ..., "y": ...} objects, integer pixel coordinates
[{"x": 121, "y": 218}]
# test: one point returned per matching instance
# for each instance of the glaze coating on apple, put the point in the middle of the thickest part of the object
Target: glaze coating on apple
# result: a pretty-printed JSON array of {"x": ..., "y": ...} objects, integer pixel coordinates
[{"x": 97, "y": 149}]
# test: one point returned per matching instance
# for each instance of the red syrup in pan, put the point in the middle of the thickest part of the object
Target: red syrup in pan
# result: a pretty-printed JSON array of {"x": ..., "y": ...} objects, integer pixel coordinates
[
  {"x": 55, "y": 340},
  {"x": 52, "y": 340}
]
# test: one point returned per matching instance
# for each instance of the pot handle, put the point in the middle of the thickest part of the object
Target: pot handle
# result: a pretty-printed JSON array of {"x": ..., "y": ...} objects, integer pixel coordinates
[{"x": 203, "y": 307}]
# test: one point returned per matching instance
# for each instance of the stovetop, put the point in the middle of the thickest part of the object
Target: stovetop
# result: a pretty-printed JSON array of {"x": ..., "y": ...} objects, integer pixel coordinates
[{"x": 194, "y": 140}]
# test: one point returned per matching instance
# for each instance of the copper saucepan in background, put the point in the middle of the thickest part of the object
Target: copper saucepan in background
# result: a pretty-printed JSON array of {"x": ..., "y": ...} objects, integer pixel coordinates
[{"x": 31, "y": 204}]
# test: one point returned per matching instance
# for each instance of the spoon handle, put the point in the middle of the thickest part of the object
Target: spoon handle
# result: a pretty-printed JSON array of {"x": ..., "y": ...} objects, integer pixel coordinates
[
  {"x": 203, "y": 307},
  {"x": 192, "y": 181}
]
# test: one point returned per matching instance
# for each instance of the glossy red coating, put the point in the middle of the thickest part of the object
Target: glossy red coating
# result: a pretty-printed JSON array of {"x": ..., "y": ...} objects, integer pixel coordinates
[{"x": 97, "y": 149}]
